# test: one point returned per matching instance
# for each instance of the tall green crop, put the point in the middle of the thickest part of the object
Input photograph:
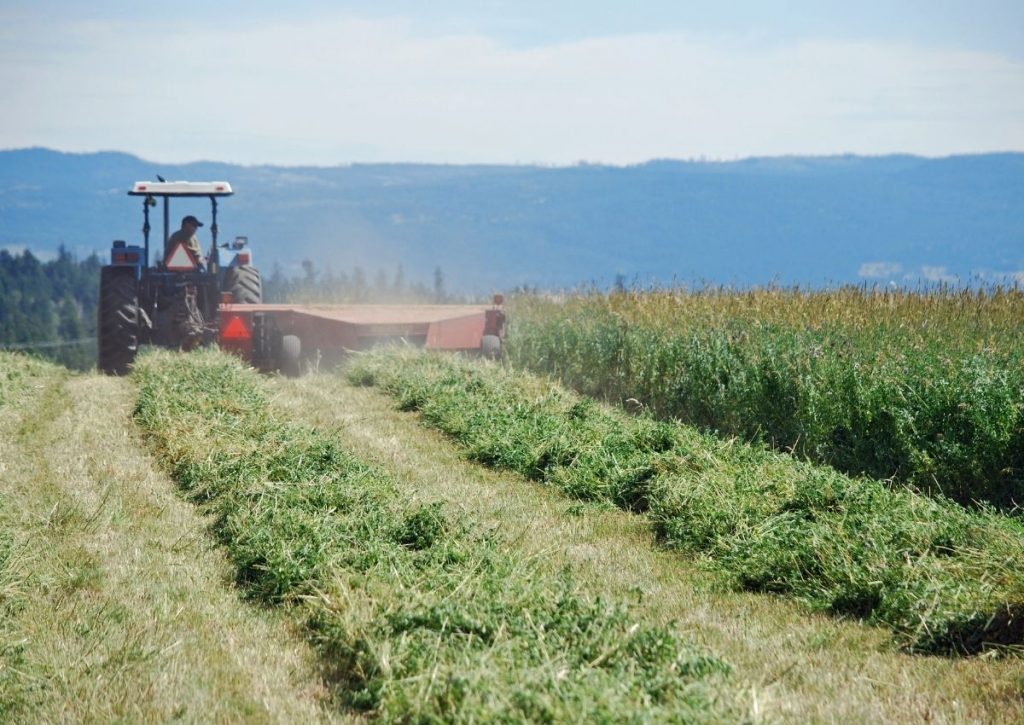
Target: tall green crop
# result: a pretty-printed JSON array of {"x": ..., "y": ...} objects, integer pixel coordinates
[{"x": 925, "y": 389}]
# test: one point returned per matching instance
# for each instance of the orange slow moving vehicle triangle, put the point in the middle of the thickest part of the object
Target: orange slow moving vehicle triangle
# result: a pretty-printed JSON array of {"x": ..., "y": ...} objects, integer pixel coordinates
[
  {"x": 181, "y": 259},
  {"x": 235, "y": 329}
]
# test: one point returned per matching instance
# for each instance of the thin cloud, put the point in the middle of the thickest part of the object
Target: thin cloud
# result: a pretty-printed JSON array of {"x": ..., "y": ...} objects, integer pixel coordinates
[
  {"x": 343, "y": 89},
  {"x": 879, "y": 270},
  {"x": 937, "y": 274}
]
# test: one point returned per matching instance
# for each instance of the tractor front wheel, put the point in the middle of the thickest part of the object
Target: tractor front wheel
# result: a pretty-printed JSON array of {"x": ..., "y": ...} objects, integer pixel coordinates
[
  {"x": 244, "y": 284},
  {"x": 118, "y": 319}
]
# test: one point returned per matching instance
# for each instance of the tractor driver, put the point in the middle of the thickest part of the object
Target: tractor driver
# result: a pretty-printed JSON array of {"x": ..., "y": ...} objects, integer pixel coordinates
[{"x": 187, "y": 236}]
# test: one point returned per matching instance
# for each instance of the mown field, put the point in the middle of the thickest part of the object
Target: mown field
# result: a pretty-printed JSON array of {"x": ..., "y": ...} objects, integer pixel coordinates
[
  {"x": 198, "y": 542},
  {"x": 113, "y": 597},
  {"x": 925, "y": 389},
  {"x": 944, "y": 579},
  {"x": 421, "y": 614}
]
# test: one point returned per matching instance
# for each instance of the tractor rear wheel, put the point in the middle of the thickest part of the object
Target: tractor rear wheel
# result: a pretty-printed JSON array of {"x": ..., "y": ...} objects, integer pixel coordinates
[
  {"x": 118, "y": 319},
  {"x": 244, "y": 284},
  {"x": 291, "y": 350},
  {"x": 490, "y": 347}
]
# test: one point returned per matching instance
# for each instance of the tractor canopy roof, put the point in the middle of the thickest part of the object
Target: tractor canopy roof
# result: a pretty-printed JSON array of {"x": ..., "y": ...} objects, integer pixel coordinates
[{"x": 181, "y": 188}]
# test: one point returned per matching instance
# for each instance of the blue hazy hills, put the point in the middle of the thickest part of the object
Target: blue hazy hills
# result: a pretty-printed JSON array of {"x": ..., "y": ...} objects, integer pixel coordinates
[{"x": 811, "y": 221}]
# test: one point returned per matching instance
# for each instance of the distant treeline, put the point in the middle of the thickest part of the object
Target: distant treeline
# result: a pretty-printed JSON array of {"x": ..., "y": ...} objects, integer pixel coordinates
[
  {"x": 354, "y": 287},
  {"x": 49, "y": 308}
]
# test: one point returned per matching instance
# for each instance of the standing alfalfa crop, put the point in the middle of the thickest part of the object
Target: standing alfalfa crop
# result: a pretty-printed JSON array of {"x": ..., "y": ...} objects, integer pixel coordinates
[{"x": 926, "y": 389}]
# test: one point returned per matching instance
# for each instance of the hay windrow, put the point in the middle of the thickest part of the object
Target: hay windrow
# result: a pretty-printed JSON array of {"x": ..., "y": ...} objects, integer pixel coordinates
[
  {"x": 418, "y": 615},
  {"x": 944, "y": 579}
]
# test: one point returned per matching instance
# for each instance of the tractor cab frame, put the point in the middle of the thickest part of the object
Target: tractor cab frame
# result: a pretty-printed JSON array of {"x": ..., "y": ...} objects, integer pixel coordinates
[
  {"x": 166, "y": 190},
  {"x": 173, "y": 302}
]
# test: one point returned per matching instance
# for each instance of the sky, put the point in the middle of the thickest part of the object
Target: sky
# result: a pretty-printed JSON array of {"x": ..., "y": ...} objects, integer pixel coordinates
[{"x": 311, "y": 82}]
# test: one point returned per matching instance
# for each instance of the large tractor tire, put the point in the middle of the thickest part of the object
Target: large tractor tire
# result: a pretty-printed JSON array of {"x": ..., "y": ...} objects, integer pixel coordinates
[
  {"x": 118, "y": 319},
  {"x": 290, "y": 359},
  {"x": 490, "y": 347},
  {"x": 244, "y": 284}
]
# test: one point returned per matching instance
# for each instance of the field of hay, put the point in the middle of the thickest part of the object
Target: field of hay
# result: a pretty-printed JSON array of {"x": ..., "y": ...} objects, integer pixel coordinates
[
  {"x": 944, "y": 579},
  {"x": 425, "y": 538}
]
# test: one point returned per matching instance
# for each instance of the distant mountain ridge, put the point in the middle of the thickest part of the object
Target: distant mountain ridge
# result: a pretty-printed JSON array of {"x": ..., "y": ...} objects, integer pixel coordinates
[{"x": 788, "y": 220}]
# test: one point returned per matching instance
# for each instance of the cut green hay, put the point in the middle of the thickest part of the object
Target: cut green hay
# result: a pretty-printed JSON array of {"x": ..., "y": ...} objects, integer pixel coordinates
[
  {"x": 418, "y": 615},
  {"x": 924, "y": 389},
  {"x": 21, "y": 374},
  {"x": 944, "y": 579},
  {"x": 15, "y": 698},
  {"x": 112, "y": 603}
]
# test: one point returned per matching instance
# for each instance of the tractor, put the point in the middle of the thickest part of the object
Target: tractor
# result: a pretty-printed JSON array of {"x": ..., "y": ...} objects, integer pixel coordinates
[{"x": 174, "y": 302}]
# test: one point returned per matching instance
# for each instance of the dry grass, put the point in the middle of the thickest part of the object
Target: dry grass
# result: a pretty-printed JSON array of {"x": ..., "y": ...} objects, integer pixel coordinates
[
  {"x": 118, "y": 606},
  {"x": 790, "y": 665}
]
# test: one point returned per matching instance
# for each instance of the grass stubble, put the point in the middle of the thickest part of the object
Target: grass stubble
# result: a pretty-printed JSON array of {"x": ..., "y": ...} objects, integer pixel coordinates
[
  {"x": 418, "y": 612},
  {"x": 115, "y": 604}
]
